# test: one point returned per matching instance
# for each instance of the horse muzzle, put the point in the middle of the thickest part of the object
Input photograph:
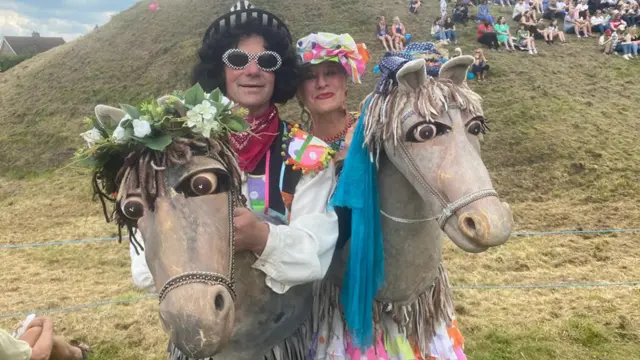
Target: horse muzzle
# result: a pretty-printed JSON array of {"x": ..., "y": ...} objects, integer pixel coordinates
[
  {"x": 198, "y": 317},
  {"x": 481, "y": 224}
]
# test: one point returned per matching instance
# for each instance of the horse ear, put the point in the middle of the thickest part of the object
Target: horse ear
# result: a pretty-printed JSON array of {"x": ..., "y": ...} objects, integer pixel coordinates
[
  {"x": 173, "y": 101},
  {"x": 109, "y": 115},
  {"x": 456, "y": 69},
  {"x": 412, "y": 75}
]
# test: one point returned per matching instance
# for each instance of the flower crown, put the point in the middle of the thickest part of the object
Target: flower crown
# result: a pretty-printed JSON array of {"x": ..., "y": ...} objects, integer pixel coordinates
[{"x": 155, "y": 124}]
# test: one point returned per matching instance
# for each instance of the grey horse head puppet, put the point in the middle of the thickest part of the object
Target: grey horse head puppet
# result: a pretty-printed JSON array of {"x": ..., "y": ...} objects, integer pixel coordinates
[
  {"x": 412, "y": 175},
  {"x": 166, "y": 168}
]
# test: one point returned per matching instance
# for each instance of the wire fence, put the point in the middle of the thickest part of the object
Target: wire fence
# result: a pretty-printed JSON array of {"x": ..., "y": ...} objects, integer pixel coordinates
[
  {"x": 457, "y": 287},
  {"x": 516, "y": 234}
]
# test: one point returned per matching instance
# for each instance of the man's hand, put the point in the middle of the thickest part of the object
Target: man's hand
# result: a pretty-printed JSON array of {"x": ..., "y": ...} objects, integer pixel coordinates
[{"x": 251, "y": 233}]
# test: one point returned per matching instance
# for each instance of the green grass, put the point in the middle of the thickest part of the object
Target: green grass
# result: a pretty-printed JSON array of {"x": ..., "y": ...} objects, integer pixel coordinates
[{"x": 562, "y": 151}]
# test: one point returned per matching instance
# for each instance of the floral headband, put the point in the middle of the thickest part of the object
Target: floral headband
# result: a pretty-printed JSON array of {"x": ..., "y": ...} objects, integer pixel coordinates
[
  {"x": 319, "y": 47},
  {"x": 155, "y": 124}
]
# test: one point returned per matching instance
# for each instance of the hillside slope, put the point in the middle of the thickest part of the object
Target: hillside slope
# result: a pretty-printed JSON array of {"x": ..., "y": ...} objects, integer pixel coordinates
[
  {"x": 562, "y": 151},
  {"x": 136, "y": 55}
]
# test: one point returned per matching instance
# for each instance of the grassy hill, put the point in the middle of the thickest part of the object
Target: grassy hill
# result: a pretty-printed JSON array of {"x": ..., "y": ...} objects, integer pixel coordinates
[{"x": 562, "y": 150}]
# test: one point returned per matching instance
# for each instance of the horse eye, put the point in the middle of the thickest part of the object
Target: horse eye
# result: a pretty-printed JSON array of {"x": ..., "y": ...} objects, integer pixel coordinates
[
  {"x": 475, "y": 128},
  {"x": 133, "y": 207},
  {"x": 204, "y": 183},
  {"x": 425, "y": 132}
]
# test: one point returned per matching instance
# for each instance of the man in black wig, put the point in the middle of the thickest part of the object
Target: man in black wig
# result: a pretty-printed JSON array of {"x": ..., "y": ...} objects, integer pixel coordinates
[{"x": 248, "y": 54}]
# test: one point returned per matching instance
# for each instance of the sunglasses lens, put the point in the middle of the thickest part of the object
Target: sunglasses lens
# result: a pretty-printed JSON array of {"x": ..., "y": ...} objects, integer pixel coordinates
[
  {"x": 237, "y": 58},
  {"x": 269, "y": 61}
]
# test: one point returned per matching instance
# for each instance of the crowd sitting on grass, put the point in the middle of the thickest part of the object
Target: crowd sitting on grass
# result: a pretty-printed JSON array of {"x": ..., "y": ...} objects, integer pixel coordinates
[{"x": 614, "y": 21}]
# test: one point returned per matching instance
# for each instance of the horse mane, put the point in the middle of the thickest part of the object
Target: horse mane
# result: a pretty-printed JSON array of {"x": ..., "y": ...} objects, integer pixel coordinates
[
  {"x": 383, "y": 115},
  {"x": 143, "y": 168}
]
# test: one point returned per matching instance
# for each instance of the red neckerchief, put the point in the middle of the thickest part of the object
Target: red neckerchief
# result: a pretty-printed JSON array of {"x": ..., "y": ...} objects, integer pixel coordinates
[{"x": 250, "y": 146}]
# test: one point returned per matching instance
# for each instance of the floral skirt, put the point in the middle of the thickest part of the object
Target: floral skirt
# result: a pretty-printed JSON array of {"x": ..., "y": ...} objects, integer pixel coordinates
[{"x": 333, "y": 343}]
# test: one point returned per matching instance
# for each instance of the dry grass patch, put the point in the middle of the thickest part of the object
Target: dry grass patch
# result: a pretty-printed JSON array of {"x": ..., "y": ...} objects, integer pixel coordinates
[{"x": 562, "y": 151}]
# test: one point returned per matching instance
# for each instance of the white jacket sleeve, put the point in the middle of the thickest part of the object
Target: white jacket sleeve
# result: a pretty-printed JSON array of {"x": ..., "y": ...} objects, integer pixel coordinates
[{"x": 301, "y": 252}]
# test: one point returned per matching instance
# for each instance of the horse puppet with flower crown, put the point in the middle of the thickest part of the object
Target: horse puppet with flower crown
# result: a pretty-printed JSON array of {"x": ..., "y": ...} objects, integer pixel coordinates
[
  {"x": 168, "y": 171},
  {"x": 412, "y": 172}
]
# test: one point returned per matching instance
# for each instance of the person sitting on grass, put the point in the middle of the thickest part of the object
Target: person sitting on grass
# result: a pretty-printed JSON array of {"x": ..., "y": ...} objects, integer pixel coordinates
[
  {"x": 414, "y": 5},
  {"x": 612, "y": 43},
  {"x": 598, "y": 23},
  {"x": 486, "y": 35},
  {"x": 38, "y": 342},
  {"x": 628, "y": 46},
  {"x": 525, "y": 40},
  {"x": 450, "y": 30},
  {"x": 437, "y": 31},
  {"x": 502, "y": 33},
  {"x": 556, "y": 10},
  {"x": 530, "y": 22},
  {"x": 572, "y": 24},
  {"x": 552, "y": 31},
  {"x": 461, "y": 13},
  {"x": 484, "y": 13},
  {"x": 616, "y": 20},
  {"x": 382, "y": 34},
  {"x": 480, "y": 66},
  {"x": 519, "y": 9},
  {"x": 398, "y": 33}
]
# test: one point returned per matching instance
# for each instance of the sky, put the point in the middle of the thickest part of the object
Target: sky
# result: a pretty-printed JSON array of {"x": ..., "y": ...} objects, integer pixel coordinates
[{"x": 68, "y": 19}]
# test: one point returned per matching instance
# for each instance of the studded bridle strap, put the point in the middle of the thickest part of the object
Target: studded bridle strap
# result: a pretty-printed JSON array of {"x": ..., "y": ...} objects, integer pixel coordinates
[
  {"x": 449, "y": 210},
  {"x": 205, "y": 277}
]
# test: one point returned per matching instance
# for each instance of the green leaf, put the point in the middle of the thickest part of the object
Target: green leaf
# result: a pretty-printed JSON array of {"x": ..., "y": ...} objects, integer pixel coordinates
[
  {"x": 98, "y": 125},
  {"x": 194, "y": 96},
  {"x": 133, "y": 112},
  {"x": 157, "y": 143},
  {"x": 236, "y": 124},
  {"x": 216, "y": 95}
]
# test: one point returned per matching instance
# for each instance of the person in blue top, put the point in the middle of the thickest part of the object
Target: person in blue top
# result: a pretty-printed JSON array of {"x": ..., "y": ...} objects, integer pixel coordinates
[{"x": 484, "y": 12}]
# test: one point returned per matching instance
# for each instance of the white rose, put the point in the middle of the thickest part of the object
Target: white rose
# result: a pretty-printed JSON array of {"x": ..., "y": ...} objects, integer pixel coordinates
[
  {"x": 200, "y": 108},
  {"x": 209, "y": 112},
  {"x": 91, "y": 137},
  {"x": 141, "y": 128},
  {"x": 119, "y": 134},
  {"x": 193, "y": 118}
]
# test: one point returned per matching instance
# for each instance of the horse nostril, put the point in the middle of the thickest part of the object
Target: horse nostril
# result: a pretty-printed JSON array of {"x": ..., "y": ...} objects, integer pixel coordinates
[
  {"x": 470, "y": 224},
  {"x": 219, "y": 302}
]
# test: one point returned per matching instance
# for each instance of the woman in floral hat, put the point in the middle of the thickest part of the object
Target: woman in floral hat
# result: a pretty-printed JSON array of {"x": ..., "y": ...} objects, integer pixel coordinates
[{"x": 329, "y": 62}]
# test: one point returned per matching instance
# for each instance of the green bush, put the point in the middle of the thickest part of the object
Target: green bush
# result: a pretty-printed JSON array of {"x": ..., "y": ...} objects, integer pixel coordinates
[{"x": 9, "y": 61}]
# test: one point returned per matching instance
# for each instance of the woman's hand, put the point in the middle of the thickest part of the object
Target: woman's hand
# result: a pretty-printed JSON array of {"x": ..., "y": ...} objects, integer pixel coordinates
[{"x": 250, "y": 232}]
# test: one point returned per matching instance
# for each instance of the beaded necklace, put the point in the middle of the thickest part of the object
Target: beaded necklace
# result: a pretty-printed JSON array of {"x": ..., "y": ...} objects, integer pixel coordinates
[{"x": 337, "y": 142}]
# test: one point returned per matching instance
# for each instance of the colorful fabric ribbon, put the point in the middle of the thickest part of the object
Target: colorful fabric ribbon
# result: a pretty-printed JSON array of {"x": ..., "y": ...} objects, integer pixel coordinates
[
  {"x": 357, "y": 189},
  {"x": 318, "y": 47}
]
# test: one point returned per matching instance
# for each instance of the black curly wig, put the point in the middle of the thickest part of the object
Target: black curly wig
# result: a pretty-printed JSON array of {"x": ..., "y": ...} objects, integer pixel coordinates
[{"x": 210, "y": 71}]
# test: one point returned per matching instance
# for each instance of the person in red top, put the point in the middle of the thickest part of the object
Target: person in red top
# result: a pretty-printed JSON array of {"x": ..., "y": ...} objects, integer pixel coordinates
[
  {"x": 616, "y": 21},
  {"x": 487, "y": 35}
]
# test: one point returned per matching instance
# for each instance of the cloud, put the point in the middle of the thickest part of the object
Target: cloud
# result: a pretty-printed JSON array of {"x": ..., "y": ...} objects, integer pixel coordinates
[
  {"x": 68, "y": 19},
  {"x": 13, "y": 23}
]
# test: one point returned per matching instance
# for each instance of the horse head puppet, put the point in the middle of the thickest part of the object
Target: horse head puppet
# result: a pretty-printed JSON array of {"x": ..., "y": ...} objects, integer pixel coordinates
[
  {"x": 171, "y": 174},
  {"x": 418, "y": 141}
]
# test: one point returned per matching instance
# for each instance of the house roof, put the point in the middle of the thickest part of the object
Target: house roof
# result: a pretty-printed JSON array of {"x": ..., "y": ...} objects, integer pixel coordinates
[{"x": 26, "y": 45}]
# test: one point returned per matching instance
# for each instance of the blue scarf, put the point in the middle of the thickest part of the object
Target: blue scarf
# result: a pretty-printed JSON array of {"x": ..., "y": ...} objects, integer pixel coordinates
[{"x": 357, "y": 189}]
